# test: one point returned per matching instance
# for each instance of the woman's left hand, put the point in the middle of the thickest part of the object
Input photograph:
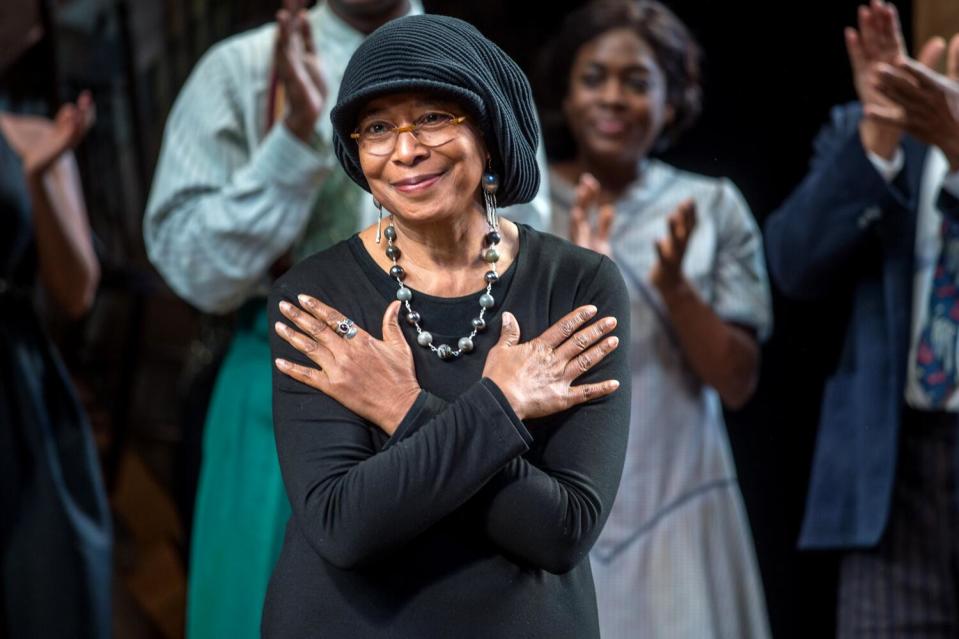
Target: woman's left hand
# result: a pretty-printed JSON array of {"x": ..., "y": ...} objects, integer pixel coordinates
[
  {"x": 373, "y": 378},
  {"x": 667, "y": 273},
  {"x": 582, "y": 231}
]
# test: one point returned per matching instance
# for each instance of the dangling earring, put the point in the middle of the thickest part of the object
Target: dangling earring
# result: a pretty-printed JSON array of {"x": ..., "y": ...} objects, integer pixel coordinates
[
  {"x": 379, "y": 223},
  {"x": 490, "y": 184}
]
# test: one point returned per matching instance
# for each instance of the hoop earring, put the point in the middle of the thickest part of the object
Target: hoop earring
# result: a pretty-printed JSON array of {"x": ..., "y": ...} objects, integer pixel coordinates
[
  {"x": 379, "y": 223},
  {"x": 490, "y": 185}
]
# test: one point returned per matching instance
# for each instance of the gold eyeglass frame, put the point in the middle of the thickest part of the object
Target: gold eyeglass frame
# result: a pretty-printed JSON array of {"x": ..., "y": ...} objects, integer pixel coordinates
[{"x": 411, "y": 128}]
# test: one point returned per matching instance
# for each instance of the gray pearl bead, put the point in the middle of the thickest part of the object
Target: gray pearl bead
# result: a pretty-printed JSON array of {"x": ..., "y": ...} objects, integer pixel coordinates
[
  {"x": 397, "y": 272},
  {"x": 479, "y": 323},
  {"x": 465, "y": 344},
  {"x": 486, "y": 300},
  {"x": 424, "y": 339},
  {"x": 390, "y": 232},
  {"x": 491, "y": 277},
  {"x": 412, "y": 318},
  {"x": 443, "y": 351},
  {"x": 404, "y": 294},
  {"x": 491, "y": 255},
  {"x": 393, "y": 253}
]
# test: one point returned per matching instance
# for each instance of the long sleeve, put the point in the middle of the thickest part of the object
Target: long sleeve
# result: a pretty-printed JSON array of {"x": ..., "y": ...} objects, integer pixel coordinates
[
  {"x": 355, "y": 503},
  {"x": 548, "y": 507},
  {"x": 218, "y": 215},
  {"x": 822, "y": 226}
]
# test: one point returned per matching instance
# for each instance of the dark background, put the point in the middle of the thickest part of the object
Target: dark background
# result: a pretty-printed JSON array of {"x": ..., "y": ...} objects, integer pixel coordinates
[{"x": 772, "y": 70}]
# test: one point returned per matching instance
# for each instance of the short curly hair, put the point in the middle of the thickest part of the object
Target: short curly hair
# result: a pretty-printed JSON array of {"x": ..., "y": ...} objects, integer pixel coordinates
[{"x": 676, "y": 51}]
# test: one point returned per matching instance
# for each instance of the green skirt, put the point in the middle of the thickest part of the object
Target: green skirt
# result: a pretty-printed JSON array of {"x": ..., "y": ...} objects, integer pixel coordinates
[{"x": 241, "y": 505}]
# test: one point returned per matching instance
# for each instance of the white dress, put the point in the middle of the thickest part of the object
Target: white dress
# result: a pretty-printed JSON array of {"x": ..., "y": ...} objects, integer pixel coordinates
[{"x": 676, "y": 557}]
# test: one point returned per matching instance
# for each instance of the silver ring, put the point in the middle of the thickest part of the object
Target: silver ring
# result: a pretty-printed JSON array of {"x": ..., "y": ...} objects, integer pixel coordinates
[{"x": 346, "y": 329}]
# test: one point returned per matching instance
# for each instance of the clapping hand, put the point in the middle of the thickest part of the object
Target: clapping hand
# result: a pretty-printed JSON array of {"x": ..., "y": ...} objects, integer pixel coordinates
[
  {"x": 298, "y": 68},
  {"x": 70, "y": 125},
  {"x": 667, "y": 272},
  {"x": 922, "y": 102},
  {"x": 582, "y": 231},
  {"x": 879, "y": 42}
]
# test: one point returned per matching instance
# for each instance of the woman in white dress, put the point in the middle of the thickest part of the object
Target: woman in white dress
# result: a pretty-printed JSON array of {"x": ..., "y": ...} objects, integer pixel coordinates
[{"x": 676, "y": 558}]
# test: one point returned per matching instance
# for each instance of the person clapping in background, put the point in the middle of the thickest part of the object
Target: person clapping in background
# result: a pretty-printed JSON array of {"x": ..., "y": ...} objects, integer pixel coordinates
[
  {"x": 676, "y": 558},
  {"x": 876, "y": 224},
  {"x": 55, "y": 534}
]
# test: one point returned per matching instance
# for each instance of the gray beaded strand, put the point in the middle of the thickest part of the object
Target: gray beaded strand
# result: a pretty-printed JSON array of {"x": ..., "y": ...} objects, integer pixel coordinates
[{"x": 404, "y": 294}]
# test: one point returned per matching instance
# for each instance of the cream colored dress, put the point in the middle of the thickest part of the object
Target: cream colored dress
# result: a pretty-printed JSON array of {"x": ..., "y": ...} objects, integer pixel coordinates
[{"x": 676, "y": 557}]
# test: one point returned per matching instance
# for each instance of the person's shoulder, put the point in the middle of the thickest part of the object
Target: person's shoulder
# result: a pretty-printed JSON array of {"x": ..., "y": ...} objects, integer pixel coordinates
[
  {"x": 244, "y": 54},
  {"x": 718, "y": 194},
  {"x": 309, "y": 273},
  {"x": 682, "y": 178},
  {"x": 572, "y": 262}
]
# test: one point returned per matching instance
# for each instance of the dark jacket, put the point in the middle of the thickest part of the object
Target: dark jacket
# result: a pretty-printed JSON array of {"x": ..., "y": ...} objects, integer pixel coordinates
[{"x": 845, "y": 233}]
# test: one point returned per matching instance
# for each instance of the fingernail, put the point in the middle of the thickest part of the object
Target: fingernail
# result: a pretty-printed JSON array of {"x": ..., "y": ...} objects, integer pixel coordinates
[
  {"x": 305, "y": 300},
  {"x": 285, "y": 306},
  {"x": 591, "y": 310},
  {"x": 614, "y": 383},
  {"x": 613, "y": 342},
  {"x": 282, "y": 363},
  {"x": 610, "y": 323},
  {"x": 279, "y": 327}
]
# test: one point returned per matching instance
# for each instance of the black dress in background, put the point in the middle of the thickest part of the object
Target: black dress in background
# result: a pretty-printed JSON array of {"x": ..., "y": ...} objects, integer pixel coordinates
[
  {"x": 55, "y": 532},
  {"x": 467, "y": 522}
]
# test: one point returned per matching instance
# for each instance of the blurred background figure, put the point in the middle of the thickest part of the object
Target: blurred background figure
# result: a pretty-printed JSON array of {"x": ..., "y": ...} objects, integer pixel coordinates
[
  {"x": 55, "y": 533},
  {"x": 875, "y": 224},
  {"x": 676, "y": 557}
]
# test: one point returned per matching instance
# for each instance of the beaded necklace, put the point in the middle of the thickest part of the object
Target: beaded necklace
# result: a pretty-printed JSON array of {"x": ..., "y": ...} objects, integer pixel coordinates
[{"x": 486, "y": 301}]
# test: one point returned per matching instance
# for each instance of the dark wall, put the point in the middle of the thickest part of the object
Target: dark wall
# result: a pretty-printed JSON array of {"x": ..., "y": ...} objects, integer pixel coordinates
[{"x": 772, "y": 71}]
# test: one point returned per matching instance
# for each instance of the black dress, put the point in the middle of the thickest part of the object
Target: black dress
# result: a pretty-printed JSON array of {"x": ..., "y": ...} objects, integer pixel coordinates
[
  {"x": 466, "y": 522},
  {"x": 55, "y": 533}
]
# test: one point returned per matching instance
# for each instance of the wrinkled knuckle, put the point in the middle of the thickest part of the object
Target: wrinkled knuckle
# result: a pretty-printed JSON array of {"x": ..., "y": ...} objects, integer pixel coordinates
[
  {"x": 581, "y": 341},
  {"x": 587, "y": 392},
  {"x": 567, "y": 328},
  {"x": 584, "y": 362}
]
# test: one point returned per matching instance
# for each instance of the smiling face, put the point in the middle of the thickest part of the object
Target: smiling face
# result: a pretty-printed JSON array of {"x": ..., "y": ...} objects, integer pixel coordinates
[
  {"x": 616, "y": 105},
  {"x": 421, "y": 183}
]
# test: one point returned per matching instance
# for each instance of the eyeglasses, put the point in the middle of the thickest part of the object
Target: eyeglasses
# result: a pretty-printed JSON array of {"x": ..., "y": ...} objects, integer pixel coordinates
[{"x": 430, "y": 129}]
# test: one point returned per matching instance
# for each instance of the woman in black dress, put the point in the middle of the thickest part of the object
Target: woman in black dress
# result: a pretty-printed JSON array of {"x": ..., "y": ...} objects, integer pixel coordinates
[
  {"x": 447, "y": 478},
  {"x": 55, "y": 532}
]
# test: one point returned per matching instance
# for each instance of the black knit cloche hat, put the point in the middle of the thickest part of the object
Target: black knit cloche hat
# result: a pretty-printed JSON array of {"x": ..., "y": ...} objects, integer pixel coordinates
[{"x": 443, "y": 55}]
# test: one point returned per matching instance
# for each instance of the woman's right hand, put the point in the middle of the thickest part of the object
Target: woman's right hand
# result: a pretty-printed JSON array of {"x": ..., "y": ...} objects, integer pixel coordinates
[
  {"x": 537, "y": 376},
  {"x": 374, "y": 378}
]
